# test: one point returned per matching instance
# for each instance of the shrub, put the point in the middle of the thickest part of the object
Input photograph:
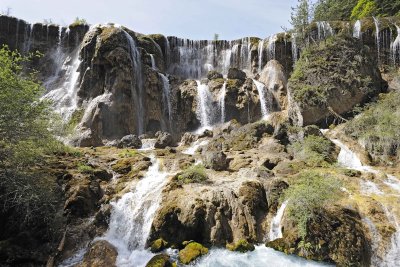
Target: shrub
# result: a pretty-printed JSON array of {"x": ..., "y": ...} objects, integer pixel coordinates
[
  {"x": 315, "y": 151},
  {"x": 78, "y": 21},
  {"x": 83, "y": 168},
  {"x": 310, "y": 192},
  {"x": 193, "y": 174},
  {"x": 364, "y": 8}
]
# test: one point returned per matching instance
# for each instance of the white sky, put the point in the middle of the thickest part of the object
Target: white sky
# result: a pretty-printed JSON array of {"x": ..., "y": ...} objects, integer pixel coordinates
[{"x": 194, "y": 19}]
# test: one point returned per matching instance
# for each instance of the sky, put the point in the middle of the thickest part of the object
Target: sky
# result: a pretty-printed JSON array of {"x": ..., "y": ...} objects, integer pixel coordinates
[{"x": 193, "y": 19}]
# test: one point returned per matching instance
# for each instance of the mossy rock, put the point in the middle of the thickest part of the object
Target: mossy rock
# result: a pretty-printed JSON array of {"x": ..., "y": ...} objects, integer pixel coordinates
[
  {"x": 191, "y": 252},
  {"x": 193, "y": 174},
  {"x": 241, "y": 246},
  {"x": 158, "y": 245},
  {"x": 160, "y": 260}
]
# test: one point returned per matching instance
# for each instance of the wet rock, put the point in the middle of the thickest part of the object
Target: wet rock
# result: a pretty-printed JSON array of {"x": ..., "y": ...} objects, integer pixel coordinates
[
  {"x": 100, "y": 254},
  {"x": 158, "y": 245},
  {"x": 188, "y": 138},
  {"x": 130, "y": 141},
  {"x": 213, "y": 75},
  {"x": 241, "y": 246},
  {"x": 191, "y": 252},
  {"x": 163, "y": 140},
  {"x": 216, "y": 161},
  {"x": 236, "y": 74},
  {"x": 273, "y": 76},
  {"x": 160, "y": 260}
]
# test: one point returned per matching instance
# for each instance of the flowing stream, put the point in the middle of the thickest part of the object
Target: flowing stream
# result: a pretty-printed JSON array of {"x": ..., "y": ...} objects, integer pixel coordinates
[{"x": 276, "y": 223}]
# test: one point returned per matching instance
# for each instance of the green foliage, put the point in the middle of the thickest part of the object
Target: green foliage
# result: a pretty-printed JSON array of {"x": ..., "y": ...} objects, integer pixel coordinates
[
  {"x": 330, "y": 66},
  {"x": 378, "y": 127},
  {"x": 328, "y": 10},
  {"x": 128, "y": 153},
  {"x": 312, "y": 191},
  {"x": 78, "y": 21},
  {"x": 26, "y": 195},
  {"x": 193, "y": 174},
  {"x": 83, "y": 168},
  {"x": 76, "y": 118},
  {"x": 301, "y": 16},
  {"x": 315, "y": 151},
  {"x": 364, "y": 8}
]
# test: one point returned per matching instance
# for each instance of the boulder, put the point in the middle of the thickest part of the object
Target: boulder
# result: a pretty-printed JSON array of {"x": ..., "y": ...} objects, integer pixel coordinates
[
  {"x": 273, "y": 76},
  {"x": 158, "y": 245},
  {"x": 213, "y": 75},
  {"x": 321, "y": 92},
  {"x": 160, "y": 260},
  {"x": 130, "y": 141},
  {"x": 240, "y": 246},
  {"x": 163, "y": 140},
  {"x": 101, "y": 253},
  {"x": 191, "y": 252},
  {"x": 188, "y": 138},
  {"x": 236, "y": 74},
  {"x": 216, "y": 161}
]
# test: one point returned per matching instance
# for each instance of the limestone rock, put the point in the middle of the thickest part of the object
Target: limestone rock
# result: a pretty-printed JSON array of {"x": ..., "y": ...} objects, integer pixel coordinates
[
  {"x": 241, "y": 246},
  {"x": 101, "y": 253},
  {"x": 130, "y": 141},
  {"x": 216, "y": 161},
  {"x": 234, "y": 73},
  {"x": 191, "y": 252},
  {"x": 212, "y": 75},
  {"x": 273, "y": 76},
  {"x": 160, "y": 260},
  {"x": 163, "y": 140}
]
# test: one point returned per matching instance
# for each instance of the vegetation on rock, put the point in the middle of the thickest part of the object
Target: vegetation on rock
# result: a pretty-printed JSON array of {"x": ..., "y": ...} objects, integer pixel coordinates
[
  {"x": 193, "y": 174},
  {"x": 191, "y": 252},
  {"x": 241, "y": 246}
]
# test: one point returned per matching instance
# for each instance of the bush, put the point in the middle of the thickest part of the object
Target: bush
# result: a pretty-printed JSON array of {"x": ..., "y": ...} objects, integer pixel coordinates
[
  {"x": 193, "y": 174},
  {"x": 310, "y": 192},
  {"x": 315, "y": 151},
  {"x": 78, "y": 21},
  {"x": 83, "y": 168},
  {"x": 378, "y": 127}
]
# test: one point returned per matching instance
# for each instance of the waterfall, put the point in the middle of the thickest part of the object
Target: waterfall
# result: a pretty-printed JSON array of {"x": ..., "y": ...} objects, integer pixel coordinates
[
  {"x": 295, "y": 51},
  {"x": 357, "y": 29},
  {"x": 167, "y": 98},
  {"x": 153, "y": 62},
  {"x": 204, "y": 105},
  {"x": 395, "y": 46},
  {"x": 65, "y": 98},
  {"x": 324, "y": 30},
  {"x": 222, "y": 101},
  {"x": 271, "y": 46},
  {"x": 194, "y": 146},
  {"x": 275, "y": 231},
  {"x": 28, "y": 38},
  {"x": 261, "y": 92},
  {"x": 377, "y": 36},
  {"x": 132, "y": 216},
  {"x": 260, "y": 55},
  {"x": 137, "y": 90}
]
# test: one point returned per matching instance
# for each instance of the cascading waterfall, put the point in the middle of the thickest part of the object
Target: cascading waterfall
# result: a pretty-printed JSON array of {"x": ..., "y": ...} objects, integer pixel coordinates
[
  {"x": 395, "y": 47},
  {"x": 261, "y": 92},
  {"x": 65, "y": 98},
  {"x": 137, "y": 90},
  {"x": 377, "y": 36},
  {"x": 275, "y": 231},
  {"x": 349, "y": 159},
  {"x": 153, "y": 62},
  {"x": 271, "y": 46},
  {"x": 167, "y": 98},
  {"x": 324, "y": 30},
  {"x": 295, "y": 50},
  {"x": 222, "y": 102},
  {"x": 357, "y": 29},
  {"x": 58, "y": 58},
  {"x": 204, "y": 105},
  {"x": 28, "y": 37},
  {"x": 260, "y": 55},
  {"x": 132, "y": 216}
]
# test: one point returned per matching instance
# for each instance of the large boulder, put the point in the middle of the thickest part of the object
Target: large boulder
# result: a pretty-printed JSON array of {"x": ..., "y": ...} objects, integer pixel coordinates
[
  {"x": 163, "y": 140},
  {"x": 130, "y": 141},
  {"x": 273, "y": 76},
  {"x": 101, "y": 253},
  {"x": 191, "y": 252},
  {"x": 330, "y": 79},
  {"x": 236, "y": 74},
  {"x": 160, "y": 260},
  {"x": 216, "y": 161}
]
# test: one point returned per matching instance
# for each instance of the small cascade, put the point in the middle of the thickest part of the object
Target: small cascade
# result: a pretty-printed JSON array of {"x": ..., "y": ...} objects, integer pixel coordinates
[
  {"x": 271, "y": 47},
  {"x": 204, "y": 105},
  {"x": 28, "y": 38},
  {"x": 166, "y": 98},
  {"x": 261, "y": 92},
  {"x": 357, "y": 29},
  {"x": 65, "y": 97},
  {"x": 222, "y": 102},
  {"x": 395, "y": 47},
  {"x": 58, "y": 58},
  {"x": 377, "y": 36},
  {"x": 194, "y": 146},
  {"x": 153, "y": 62},
  {"x": 295, "y": 49},
  {"x": 260, "y": 55},
  {"x": 137, "y": 89},
  {"x": 132, "y": 216},
  {"x": 275, "y": 231},
  {"x": 324, "y": 30},
  {"x": 17, "y": 33},
  {"x": 148, "y": 144}
]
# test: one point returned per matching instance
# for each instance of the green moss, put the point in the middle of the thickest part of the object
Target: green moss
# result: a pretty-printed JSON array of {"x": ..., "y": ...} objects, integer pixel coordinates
[
  {"x": 77, "y": 22},
  {"x": 160, "y": 260},
  {"x": 241, "y": 246},
  {"x": 158, "y": 245},
  {"x": 191, "y": 252},
  {"x": 128, "y": 153},
  {"x": 76, "y": 118},
  {"x": 83, "y": 168},
  {"x": 193, "y": 174},
  {"x": 233, "y": 84},
  {"x": 315, "y": 151}
]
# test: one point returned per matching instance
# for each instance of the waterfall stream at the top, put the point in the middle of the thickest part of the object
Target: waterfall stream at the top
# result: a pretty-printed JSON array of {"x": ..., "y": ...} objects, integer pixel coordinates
[
  {"x": 132, "y": 216},
  {"x": 395, "y": 47},
  {"x": 204, "y": 105},
  {"x": 377, "y": 36},
  {"x": 166, "y": 96},
  {"x": 357, "y": 29},
  {"x": 137, "y": 88},
  {"x": 261, "y": 92},
  {"x": 222, "y": 102}
]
